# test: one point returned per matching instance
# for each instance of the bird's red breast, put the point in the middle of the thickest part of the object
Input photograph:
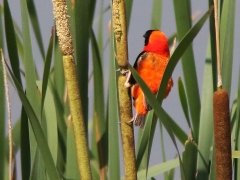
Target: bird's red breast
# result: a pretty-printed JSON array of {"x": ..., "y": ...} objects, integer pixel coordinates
[{"x": 150, "y": 64}]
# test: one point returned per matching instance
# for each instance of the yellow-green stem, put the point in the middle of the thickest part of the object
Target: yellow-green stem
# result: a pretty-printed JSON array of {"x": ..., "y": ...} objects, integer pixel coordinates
[
  {"x": 77, "y": 117},
  {"x": 65, "y": 43},
  {"x": 125, "y": 107},
  {"x": 219, "y": 76},
  {"x": 120, "y": 31}
]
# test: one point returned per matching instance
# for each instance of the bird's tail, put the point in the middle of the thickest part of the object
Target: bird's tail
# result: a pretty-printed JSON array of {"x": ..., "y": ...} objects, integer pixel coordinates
[{"x": 139, "y": 120}]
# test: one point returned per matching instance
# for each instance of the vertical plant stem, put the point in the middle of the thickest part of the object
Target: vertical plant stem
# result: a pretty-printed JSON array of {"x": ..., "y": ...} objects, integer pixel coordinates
[
  {"x": 77, "y": 117},
  {"x": 9, "y": 117},
  {"x": 66, "y": 47},
  {"x": 219, "y": 77},
  {"x": 120, "y": 31},
  {"x": 127, "y": 130}
]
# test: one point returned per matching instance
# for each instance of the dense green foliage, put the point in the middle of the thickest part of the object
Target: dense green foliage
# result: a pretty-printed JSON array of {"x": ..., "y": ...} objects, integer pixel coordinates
[{"x": 43, "y": 132}]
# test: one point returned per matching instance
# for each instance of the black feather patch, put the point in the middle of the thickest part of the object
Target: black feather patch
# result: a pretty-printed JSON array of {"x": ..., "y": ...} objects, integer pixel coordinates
[{"x": 146, "y": 36}]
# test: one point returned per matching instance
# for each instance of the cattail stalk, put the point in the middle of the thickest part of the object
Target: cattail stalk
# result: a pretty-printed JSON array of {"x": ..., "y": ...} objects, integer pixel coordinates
[
  {"x": 219, "y": 77},
  {"x": 125, "y": 107},
  {"x": 222, "y": 131},
  {"x": 120, "y": 31},
  {"x": 65, "y": 43}
]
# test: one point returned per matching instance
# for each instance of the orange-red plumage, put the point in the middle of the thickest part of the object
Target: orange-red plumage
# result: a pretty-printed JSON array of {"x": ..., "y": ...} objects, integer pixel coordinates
[{"x": 150, "y": 64}]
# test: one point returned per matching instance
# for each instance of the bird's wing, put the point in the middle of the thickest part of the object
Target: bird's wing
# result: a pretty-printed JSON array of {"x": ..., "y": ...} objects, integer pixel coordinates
[{"x": 130, "y": 79}]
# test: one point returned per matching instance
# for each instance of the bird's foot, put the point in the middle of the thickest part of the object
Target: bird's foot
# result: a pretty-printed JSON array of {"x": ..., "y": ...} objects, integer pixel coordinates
[{"x": 123, "y": 72}]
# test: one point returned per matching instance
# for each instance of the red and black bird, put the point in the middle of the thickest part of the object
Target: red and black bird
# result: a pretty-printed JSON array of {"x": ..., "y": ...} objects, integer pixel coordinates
[{"x": 150, "y": 64}]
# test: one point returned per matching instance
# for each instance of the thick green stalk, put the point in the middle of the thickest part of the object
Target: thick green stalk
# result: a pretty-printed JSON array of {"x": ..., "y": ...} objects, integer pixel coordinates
[
  {"x": 120, "y": 31},
  {"x": 127, "y": 130},
  {"x": 77, "y": 117},
  {"x": 66, "y": 47}
]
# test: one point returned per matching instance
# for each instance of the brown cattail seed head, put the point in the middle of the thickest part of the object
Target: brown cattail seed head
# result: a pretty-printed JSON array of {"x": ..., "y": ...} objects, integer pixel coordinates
[{"x": 222, "y": 135}]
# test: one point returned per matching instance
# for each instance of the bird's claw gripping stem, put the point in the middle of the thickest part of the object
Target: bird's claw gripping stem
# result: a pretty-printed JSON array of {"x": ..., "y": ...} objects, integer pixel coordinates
[{"x": 123, "y": 71}]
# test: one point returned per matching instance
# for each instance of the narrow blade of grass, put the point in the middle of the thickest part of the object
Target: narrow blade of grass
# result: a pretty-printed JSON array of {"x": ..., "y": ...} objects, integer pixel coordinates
[
  {"x": 94, "y": 146},
  {"x": 189, "y": 158},
  {"x": 1, "y": 28},
  {"x": 82, "y": 17},
  {"x": 163, "y": 149},
  {"x": 150, "y": 141},
  {"x": 234, "y": 120},
  {"x": 213, "y": 46},
  {"x": 47, "y": 66},
  {"x": 37, "y": 130},
  {"x": 37, "y": 169},
  {"x": 72, "y": 171},
  {"x": 158, "y": 169},
  {"x": 113, "y": 117},
  {"x": 143, "y": 160},
  {"x": 213, "y": 172},
  {"x": 149, "y": 127},
  {"x": 100, "y": 30},
  {"x": 57, "y": 86},
  {"x": 2, "y": 112},
  {"x": 58, "y": 89},
  {"x": 18, "y": 36},
  {"x": 183, "y": 22},
  {"x": 99, "y": 111},
  {"x": 206, "y": 118},
  {"x": 11, "y": 41},
  {"x": 95, "y": 169},
  {"x": 178, "y": 132},
  {"x": 227, "y": 41},
  {"x": 144, "y": 142},
  {"x": 30, "y": 77},
  {"x": 236, "y": 154},
  {"x": 25, "y": 146},
  {"x": 236, "y": 135},
  {"x": 156, "y": 14},
  {"x": 16, "y": 138},
  {"x": 35, "y": 24},
  {"x": 183, "y": 100},
  {"x": 171, "y": 174},
  {"x": 92, "y": 6},
  {"x": 128, "y": 5},
  {"x": 51, "y": 122},
  {"x": 171, "y": 39}
]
